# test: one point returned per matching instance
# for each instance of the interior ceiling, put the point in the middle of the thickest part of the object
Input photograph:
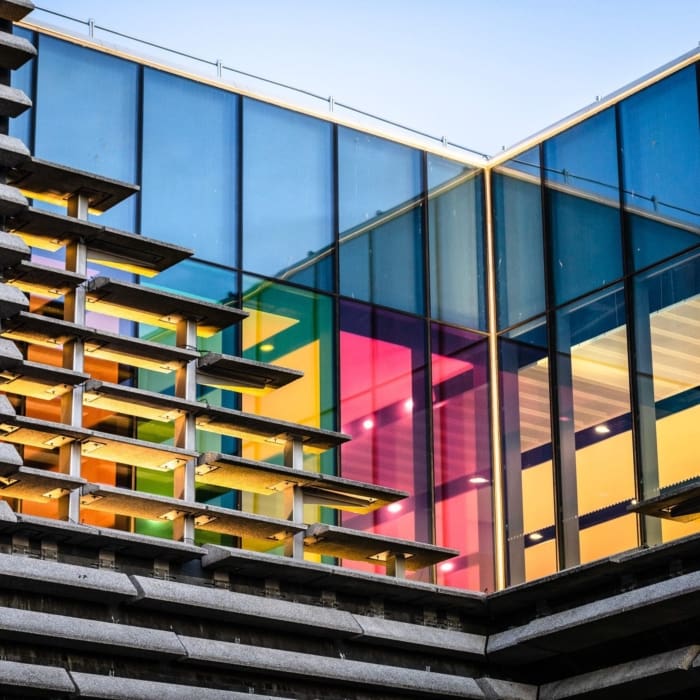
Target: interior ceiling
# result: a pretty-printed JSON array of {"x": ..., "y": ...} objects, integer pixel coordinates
[{"x": 600, "y": 379}]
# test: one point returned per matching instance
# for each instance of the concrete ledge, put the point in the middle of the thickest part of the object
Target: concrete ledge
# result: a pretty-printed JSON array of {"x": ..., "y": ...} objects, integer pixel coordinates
[
  {"x": 15, "y": 10},
  {"x": 649, "y": 677},
  {"x": 55, "y": 578},
  {"x": 507, "y": 690},
  {"x": 12, "y": 151},
  {"x": 116, "y": 688},
  {"x": 420, "y": 637},
  {"x": 79, "y": 633},
  {"x": 14, "y": 249},
  {"x": 597, "y": 622},
  {"x": 41, "y": 679},
  {"x": 181, "y": 598},
  {"x": 15, "y": 51},
  {"x": 313, "y": 668},
  {"x": 12, "y": 301},
  {"x": 12, "y": 201},
  {"x": 13, "y": 101}
]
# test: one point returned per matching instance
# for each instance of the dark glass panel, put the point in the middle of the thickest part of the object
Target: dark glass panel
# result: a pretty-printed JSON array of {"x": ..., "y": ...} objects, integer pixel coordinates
[
  {"x": 381, "y": 233},
  {"x": 661, "y": 158},
  {"x": 462, "y": 456},
  {"x": 581, "y": 175},
  {"x": 457, "y": 275},
  {"x": 189, "y": 194},
  {"x": 595, "y": 426},
  {"x": 384, "y": 265},
  {"x": 88, "y": 116},
  {"x": 382, "y": 406},
  {"x": 527, "y": 453},
  {"x": 517, "y": 211},
  {"x": 287, "y": 194}
]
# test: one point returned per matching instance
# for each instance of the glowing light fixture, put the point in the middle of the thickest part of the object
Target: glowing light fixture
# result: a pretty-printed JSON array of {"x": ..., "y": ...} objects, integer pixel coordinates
[{"x": 602, "y": 429}]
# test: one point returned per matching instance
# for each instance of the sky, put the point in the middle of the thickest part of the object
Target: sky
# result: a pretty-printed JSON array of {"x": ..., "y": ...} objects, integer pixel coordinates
[{"x": 483, "y": 73}]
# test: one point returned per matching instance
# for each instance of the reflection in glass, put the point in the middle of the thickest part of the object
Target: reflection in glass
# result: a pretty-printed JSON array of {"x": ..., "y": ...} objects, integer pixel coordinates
[
  {"x": 287, "y": 194},
  {"x": 382, "y": 406},
  {"x": 23, "y": 79},
  {"x": 667, "y": 318},
  {"x": 661, "y": 167},
  {"x": 527, "y": 453},
  {"x": 383, "y": 264},
  {"x": 594, "y": 425},
  {"x": 292, "y": 328},
  {"x": 189, "y": 194},
  {"x": 88, "y": 116},
  {"x": 456, "y": 244},
  {"x": 517, "y": 214},
  {"x": 581, "y": 177},
  {"x": 462, "y": 456}
]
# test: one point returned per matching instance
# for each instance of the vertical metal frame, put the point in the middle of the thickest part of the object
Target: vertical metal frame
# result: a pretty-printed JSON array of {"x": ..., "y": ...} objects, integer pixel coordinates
[{"x": 499, "y": 525}]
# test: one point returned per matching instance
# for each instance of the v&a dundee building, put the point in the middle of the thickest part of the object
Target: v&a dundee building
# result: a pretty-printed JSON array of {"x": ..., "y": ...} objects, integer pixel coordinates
[{"x": 294, "y": 408}]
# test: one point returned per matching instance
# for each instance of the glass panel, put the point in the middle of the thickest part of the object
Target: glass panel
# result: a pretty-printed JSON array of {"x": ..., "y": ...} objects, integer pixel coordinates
[
  {"x": 291, "y": 328},
  {"x": 456, "y": 244},
  {"x": 462, "y": 457},
  {"x": 189, "y": 187},
  {"x": 88, "y": 116},
  {"x": 23, "y": 79},
  {"x": 581, "y": 176},
  {"x": 527, "y": 445},
  {"x": 287, "y": 195},
  {"x": 381, "y": 233},
  {"x": 382, "y": 395},
  {"x": 517, "y": 211},
  {"x": 661, "y": 156},
  {"x": 667, "y": 318},
  {"x": 595, "y": 427}
]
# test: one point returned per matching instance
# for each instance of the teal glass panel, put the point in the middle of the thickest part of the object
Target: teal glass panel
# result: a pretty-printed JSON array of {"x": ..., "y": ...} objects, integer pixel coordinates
[
  {"x": 88, "y": 116},
  {"x": 381, "y": 230},
  {"x": 661, "y": 167},
  {"x": 581, "y": 176},
  {"x": 456, "y": 243},
  {"x": 287, "y": 195},
  {"x": 189, "y": 190},
  {"x": 517, "y": 210}
]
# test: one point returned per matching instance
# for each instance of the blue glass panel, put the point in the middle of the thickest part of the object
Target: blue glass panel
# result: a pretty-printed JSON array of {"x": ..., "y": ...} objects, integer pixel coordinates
[
  {"x": 287, "y": 194},
  {"x": 384, "y": 265},
  {"x": 23, "y": 79},
  {"x": 581, "y": 175},
  {"x": 517, "y": 205},
  {"x": 586, "y": 246},
  {"x": 661, "y": 157},
  {"x": 374, "y": 177},
  {"x": 189, "y": 166},
  {"x": 88, "y": 115},
  {"x": 457, "y": 276}
]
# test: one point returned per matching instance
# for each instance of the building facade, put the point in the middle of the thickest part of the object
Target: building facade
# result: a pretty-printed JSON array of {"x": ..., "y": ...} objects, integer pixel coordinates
[{"x": 513, "y": 342}]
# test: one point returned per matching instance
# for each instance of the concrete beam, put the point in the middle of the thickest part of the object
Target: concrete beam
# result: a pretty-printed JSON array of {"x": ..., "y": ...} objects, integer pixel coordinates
[
  {"x": 67, "y": 580},
  {"x": 14, "y": 250},
  {"x": 220, "y": 604},
  {"x": 649, "y": 677},
  {"x": 12, "y": 301},
  {"x": 597, "y": 622},
  {"x": 39, "y": 679},
  {"x": 13, "y": 101},
  {"x": 15, "y": 10},
  {"x": 116, "y": 688},
  {"x": 15, "y": 51},
  {"x": 67, "y": 632},
  {"x": 314, "y": 668}
]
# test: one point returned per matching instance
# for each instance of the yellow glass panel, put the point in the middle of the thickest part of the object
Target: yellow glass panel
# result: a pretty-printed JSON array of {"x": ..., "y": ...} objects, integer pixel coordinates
[
  {"x": 540, "y": 560},
  {"x": 608, "y": 538},
  {"x": 605, "y": 473},
  {"x": 538, "y": 497},
  {"x": 678, "y": 446}
]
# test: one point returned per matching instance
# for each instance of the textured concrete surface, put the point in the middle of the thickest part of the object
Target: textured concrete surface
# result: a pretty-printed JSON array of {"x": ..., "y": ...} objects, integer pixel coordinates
[
  {"x": 617, "y": 680},
  {"x": 49, "y": 679},
  {"x": 314, "y": 667}
]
